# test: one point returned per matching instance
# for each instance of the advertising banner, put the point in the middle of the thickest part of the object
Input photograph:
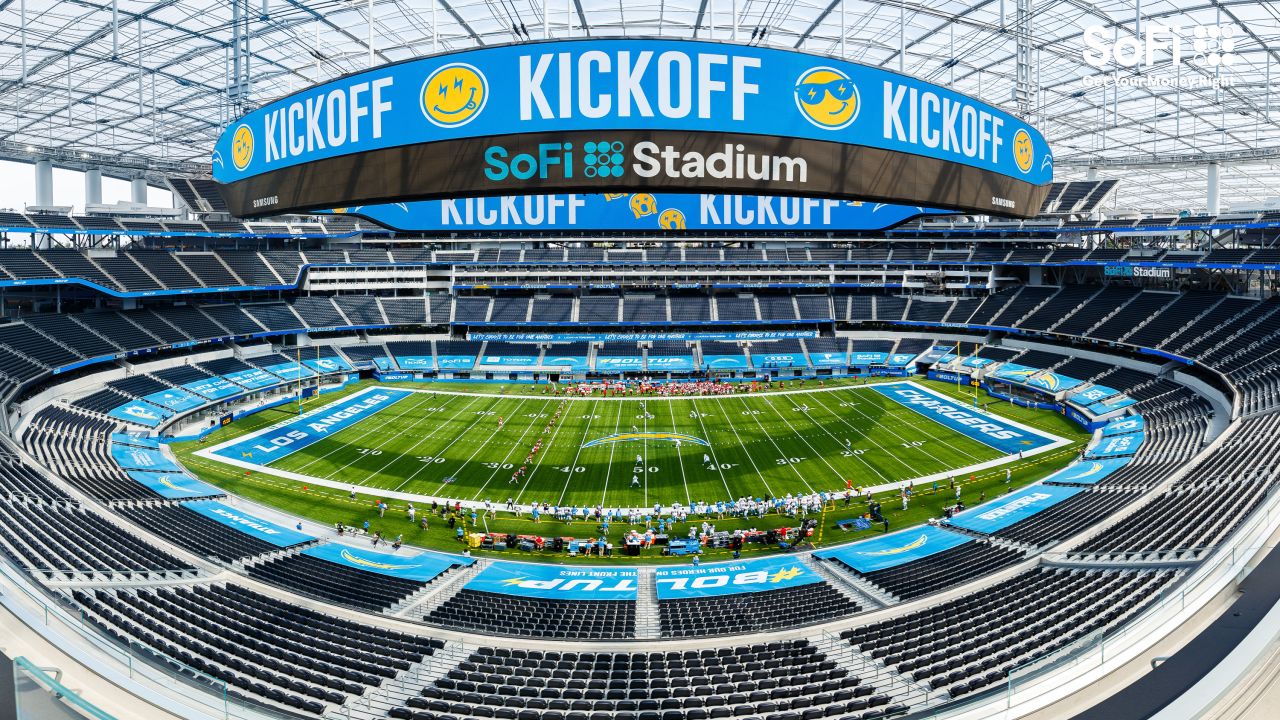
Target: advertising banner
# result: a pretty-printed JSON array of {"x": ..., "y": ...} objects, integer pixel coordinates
[
  {"x": 636, "y": 115},
  {"x": 732, "y": 578},
  {"x": 248, "y": 524},
  {"x": 896, "y": 549},
  {"x": 132, "y": 457},
  {"x": 1087, "y": 472},
  {"x": 141, "y": 413},
  {"x": 175, "y": 486},
  {"x": 557, "y": 582},
  {"x": 997, "y": 515},
  {"x": 423, "y": 567}
]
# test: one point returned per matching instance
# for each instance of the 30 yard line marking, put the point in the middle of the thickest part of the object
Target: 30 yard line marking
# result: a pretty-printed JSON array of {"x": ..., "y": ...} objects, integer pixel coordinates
[
  {"x": 804, "y": 440},
  {"x": 542, "y": 410},
  {"x": 712, "y": 448},
  {"x": 475, "y": 452},
  {"x": 379, "y": 446},
  {"x": 573, "y": 465},
  {"x": 857, "y": 457},
  {"x": 853, "y": 406},
  {"x": 459, "y": 436},
  {"x": 750, "y": 457}
]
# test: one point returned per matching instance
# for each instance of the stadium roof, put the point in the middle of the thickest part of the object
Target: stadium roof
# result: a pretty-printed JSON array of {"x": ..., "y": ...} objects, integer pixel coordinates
[{"x": 148, "y": 80}]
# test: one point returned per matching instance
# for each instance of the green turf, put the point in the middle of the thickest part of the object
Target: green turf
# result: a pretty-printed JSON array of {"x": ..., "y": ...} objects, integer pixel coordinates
[{"x": 754, "y": 440}]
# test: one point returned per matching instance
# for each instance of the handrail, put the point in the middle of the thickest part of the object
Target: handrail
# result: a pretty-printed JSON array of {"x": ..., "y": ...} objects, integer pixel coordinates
[{"x": 59, "y": 691}]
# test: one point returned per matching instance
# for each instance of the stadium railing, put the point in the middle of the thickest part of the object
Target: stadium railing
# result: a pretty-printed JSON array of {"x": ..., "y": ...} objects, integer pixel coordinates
[
  {"x": 179, "y": 688},
  {"x": 37, "y": 694}
]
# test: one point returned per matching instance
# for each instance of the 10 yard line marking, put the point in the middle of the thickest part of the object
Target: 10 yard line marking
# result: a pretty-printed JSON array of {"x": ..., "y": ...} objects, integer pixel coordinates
[
  {"x": 904, "y": 440},
  {"x": 358, "y": 457},
  {"x": 911, "y": 472}
]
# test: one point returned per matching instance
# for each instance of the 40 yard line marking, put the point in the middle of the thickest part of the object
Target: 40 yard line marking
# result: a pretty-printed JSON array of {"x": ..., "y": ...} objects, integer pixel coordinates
[
  {"x": 714, "y": 459},
  {"x": 573, "y": 465},
  {"x": 750, "y": 456}
]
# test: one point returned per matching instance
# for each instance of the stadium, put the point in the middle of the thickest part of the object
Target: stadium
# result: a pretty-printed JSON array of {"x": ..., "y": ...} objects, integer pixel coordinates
[{"x": 682, "y": 360}]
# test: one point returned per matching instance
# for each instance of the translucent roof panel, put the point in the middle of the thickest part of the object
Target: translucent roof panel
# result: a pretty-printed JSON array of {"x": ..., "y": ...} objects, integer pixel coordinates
[{"x": 149, "y": 80}]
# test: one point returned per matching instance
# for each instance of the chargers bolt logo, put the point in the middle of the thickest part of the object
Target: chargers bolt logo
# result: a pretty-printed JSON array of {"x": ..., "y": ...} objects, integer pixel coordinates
[
  {"x": 454, "y": 95},
  {"x": 603, "y": 159},
  {"x": 671, "y": 219},
  {"x": 827, "y": 98},
  {"x": 242, "y": 147},
  {"x": 1023, "y": 152},
  {"x": 643, "y": 204}
]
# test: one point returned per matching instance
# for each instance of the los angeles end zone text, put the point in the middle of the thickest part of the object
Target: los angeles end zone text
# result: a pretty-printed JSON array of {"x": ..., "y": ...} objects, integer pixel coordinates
[
  {"x": 469, "y": 447},
  {"x": 672, "y": 115}
]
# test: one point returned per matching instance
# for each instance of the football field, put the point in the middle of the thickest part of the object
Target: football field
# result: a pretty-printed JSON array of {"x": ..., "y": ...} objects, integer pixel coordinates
[{"x": 618, "y": 452}]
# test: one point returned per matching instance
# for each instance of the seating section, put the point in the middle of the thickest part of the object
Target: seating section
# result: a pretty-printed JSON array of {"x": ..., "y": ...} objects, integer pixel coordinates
[
  {"x": 341, "y": 584},
  {"x": 1067, "y": 518},
  {"x": 76, "y": 448},
  {"x": 972, "y": 642},
  {"x": 265, "y": 648},
  {"x": 63, "y": 542},
  {"x": 753, "y": 612},
  {"x": 942, "y": 570},
  {"x": 535, "y": 617},
  {"x": 189, "y": 529},
  {"x": 782, "y": 679}
]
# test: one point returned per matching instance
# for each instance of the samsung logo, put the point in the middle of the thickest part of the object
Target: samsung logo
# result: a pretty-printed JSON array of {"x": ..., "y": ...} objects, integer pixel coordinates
[{"x": 266, "y": 201}]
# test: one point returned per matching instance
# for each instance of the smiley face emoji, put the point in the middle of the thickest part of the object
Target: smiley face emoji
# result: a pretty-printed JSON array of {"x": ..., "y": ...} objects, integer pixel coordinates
[
  {"x": 827, "y": 98},
  {"x": 1023, "y": 152},
  {"x": 454, "y": 95},
  {"x": 242, "y": 147}
]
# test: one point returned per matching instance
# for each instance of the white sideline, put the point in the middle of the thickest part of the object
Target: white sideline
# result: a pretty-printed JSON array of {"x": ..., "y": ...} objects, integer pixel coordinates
[{"x": 419, "y": 499}]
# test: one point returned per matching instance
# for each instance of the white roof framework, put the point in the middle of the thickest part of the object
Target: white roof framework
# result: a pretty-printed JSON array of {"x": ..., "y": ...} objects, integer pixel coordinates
[{"x": 123, "y": 81}]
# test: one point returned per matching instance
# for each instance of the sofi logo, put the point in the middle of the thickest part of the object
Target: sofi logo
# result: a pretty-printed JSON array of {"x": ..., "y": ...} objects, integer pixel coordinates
[{"x": 1212, "y": 45}]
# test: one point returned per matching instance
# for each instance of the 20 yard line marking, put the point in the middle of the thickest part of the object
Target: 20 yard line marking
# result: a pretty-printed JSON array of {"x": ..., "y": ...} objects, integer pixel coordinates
[
  {"x": 342, "y": 445},
  {"x": 475, "y": 452},
  {"x": 479, "y": 417},
  {"x": 857, "y": 457},
  {"x": 379, "y": 446},
  {"x": 404, "y": 454},
  {"x": 804, "y": 440}
]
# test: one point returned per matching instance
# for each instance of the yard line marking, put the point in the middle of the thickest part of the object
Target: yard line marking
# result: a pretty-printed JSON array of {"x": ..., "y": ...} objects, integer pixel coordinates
[
  {"x": 857, "y": 457},
  {"x": 781, "y": 454},
  {"x": 424, "y": 438},
  {"x": 892, "y": 432},
  {"x": 379, "y": 446},
  {"x": 479, "y": 417},
  {"x": 671, "y": 409},
  {"x": 714, "y": 459},
  {"x": 514, "y": 445},
  {"x": 543, "y": 456},
  {"x": 750, "y": 457},
  {"x": 578, "y": 454},
  {"x": 804, "y": 440},
  {"x": 853, "y": 406},
  {"x": 409, "y": 407},
  {"x": 488, "y": 438},
  {"x": 613, "y": 447},
  {"x": 881, "y": 398}
]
